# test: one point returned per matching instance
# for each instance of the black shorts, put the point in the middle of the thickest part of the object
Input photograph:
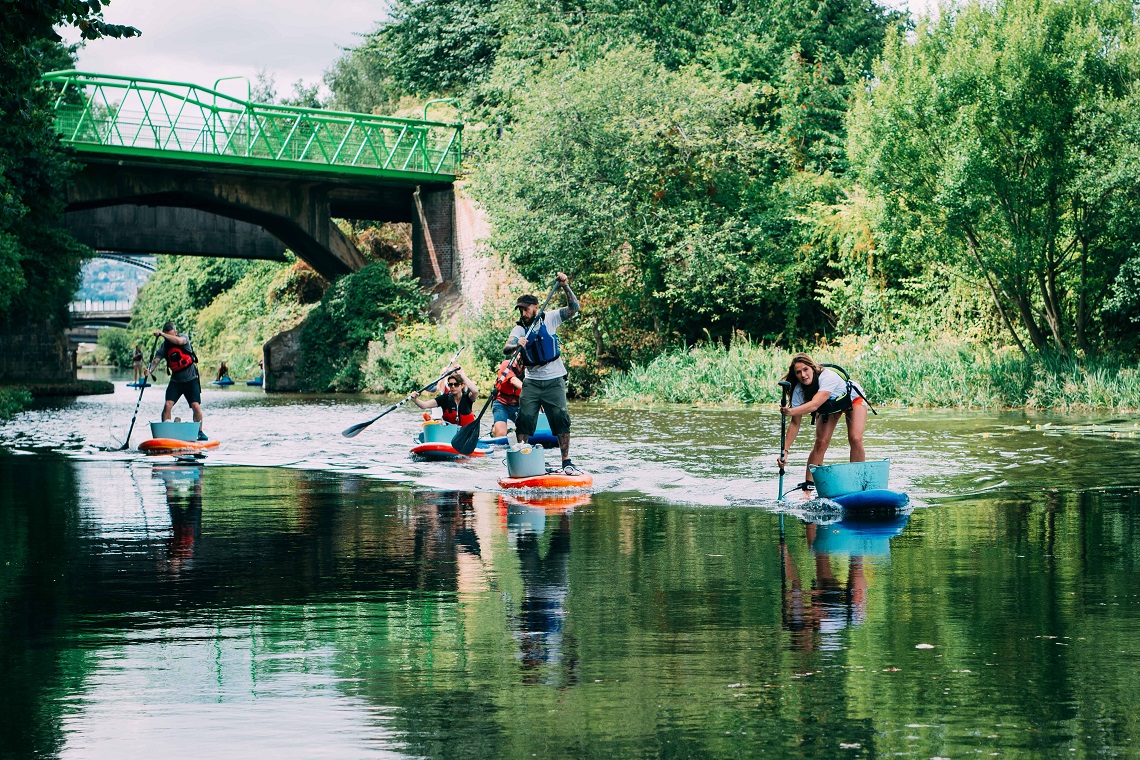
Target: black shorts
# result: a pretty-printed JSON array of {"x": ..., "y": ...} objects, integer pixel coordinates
[{"x": 191, "y": 389}]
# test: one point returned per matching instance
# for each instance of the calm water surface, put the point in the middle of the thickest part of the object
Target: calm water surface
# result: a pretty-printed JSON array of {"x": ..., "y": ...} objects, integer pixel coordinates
[{"x": 305, "y": 595}]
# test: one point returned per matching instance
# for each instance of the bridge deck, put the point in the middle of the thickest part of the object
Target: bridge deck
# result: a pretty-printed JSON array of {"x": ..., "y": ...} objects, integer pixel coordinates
[{"x": 156, "y": 119}]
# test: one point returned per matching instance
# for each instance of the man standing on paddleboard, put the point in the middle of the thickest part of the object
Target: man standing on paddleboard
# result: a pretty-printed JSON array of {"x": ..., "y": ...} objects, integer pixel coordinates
[
  {"x": 182, "y": 364},
  {"x": 545, "y": 382}
]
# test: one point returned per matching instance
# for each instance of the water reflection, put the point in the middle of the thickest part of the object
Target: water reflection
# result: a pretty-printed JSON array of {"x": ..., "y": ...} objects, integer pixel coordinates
[
  {"x": 183, "y": 486},
  {"x": 818, "y": 608},
  {"x": 227, "y": 611}
]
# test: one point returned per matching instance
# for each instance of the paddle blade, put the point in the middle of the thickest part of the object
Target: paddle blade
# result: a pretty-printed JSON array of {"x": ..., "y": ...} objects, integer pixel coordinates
[
  {"x": 355, "y": 429},
  {"x": 467, "y": 438}
]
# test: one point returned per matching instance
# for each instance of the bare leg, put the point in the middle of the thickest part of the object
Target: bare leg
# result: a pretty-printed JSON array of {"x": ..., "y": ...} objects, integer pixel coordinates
[
  {"x": 856, "y": 424},
  {"x": 823, "y": 431},
  {"x": 166, "y": 409},
  {"x": 564, "y": 445},
  {"x": 197, "y": 409},
  {"x": 499, "y": 429}
]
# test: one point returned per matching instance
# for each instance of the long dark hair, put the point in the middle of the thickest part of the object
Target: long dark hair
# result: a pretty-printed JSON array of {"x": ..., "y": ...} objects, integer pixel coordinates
[{"x": 809, "y": 390}]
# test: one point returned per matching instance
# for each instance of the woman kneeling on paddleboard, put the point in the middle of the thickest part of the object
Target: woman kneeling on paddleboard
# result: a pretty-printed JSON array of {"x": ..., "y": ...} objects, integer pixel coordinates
[
  {"x": 457, "y": 402},
  {"x": 825, "y": 394}
]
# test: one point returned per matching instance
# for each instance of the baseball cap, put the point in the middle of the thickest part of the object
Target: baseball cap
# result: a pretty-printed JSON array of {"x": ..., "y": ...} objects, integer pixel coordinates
[{"x": 527, "y": 300}]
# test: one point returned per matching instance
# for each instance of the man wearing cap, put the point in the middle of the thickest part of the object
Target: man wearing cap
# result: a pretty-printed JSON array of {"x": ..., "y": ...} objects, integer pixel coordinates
[{"x": 545, "y": 382}]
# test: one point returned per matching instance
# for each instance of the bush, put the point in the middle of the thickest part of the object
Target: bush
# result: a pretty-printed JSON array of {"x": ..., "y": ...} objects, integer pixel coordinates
[
  {"x": 358, "y": 308},
  {"x": 923, "y": 373},
  {"x": 13, "y": 401},
  {"x": 115, "y": 347}
]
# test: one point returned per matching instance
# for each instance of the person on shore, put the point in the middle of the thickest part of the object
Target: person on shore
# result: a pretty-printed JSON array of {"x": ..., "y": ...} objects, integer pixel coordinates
[
  {"x": 825, "y": 395},
  {"x": 182, "y": 364},
  {"x": 137, "y": 361},
  {"x": 456, "y": 402},
  {"x": 223, "y": 371},
  {"x": 505, "y": 407},
  {"x": 545, "y": 383}
]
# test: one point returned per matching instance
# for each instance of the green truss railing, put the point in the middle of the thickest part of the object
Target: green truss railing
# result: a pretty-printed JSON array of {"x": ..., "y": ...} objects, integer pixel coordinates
[{"x": 147, "y": 117}]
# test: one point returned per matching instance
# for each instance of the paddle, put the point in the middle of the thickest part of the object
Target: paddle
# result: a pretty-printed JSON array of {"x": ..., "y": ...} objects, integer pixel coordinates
[
  {"x": 785, "y": 387},
  {"x": 467, "y": 438},
  {"x": 150, "y": 368},
  {"x": 355, "y": 429}
]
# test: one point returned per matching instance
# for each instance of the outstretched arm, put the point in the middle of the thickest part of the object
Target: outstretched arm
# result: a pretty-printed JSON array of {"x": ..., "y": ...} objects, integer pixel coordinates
[
  {"x": 818, "y": 400},
  {"x": 431, "y": 403},
  {"x": 572, "y": 307}
]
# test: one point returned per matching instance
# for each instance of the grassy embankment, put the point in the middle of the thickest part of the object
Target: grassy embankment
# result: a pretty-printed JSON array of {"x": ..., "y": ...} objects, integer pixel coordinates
[{"x": 927, "y": 373}]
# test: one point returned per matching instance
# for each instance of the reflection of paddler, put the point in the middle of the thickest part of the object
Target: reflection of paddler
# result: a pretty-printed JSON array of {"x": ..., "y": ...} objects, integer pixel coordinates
[
  {"x": 184, "y": 499},
  {"x": 544, "y": 561},
  {"x": 828, "y": 605}
]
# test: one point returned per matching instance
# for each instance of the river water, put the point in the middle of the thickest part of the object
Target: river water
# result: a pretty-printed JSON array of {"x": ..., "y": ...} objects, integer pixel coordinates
[{"x": 306, "y": 595}]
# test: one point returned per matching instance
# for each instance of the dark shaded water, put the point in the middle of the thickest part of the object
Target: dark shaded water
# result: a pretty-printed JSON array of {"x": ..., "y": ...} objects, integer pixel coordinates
[{"x": 327, "y": 608}]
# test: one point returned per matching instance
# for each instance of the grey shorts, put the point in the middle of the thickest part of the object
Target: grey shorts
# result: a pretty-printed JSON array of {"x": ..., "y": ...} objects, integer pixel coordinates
[{"x": 550, "y": 395}]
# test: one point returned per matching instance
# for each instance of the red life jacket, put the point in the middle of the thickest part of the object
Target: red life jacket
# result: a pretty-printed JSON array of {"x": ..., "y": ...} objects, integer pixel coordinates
[
  {"x": 463, "y": 415},
  {"x": 507, "y": 393},
  {"x": 177, "y": 358}
]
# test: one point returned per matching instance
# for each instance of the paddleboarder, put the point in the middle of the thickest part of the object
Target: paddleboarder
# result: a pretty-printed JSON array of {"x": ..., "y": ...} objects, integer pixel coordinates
[
  {"x": 182, "y": 364},
  {"x": 456, "y": 402},
  {"x": 545, "y": 382},
  {"x": 825, "y": 395},
  {"x": 508, "y": 386},
  {"x": 137, "y": 360}
]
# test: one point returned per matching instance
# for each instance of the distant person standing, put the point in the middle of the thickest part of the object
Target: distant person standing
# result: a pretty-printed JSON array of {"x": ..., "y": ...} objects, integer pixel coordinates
[
  {"x": 223, "y": 371},
  {"x": 545, "y": 383},
  {"x": 137, "y": 360},
  {"x": 182, "y": 365}
]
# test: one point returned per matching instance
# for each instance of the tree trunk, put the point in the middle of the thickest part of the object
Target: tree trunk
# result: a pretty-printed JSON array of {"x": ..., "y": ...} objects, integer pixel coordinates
[
  {"x": 1025, "y": 311},
  {"x": 1082, "y": 339},
  {"x": 973, "y": 243}
]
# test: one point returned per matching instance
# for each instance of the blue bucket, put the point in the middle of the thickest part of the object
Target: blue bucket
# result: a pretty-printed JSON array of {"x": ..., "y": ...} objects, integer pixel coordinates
[
  {"x": 438, "y": 432},
  {"x": 526, "y": 462},
  {"x": 848, "y": 477},
  {"x": 179, "y": 431}
]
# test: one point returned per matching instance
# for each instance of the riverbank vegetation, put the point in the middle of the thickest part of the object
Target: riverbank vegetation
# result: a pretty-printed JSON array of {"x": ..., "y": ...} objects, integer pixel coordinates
[
  {"x": 960, "y": 192},
  {"x": 39, "y": 263}
]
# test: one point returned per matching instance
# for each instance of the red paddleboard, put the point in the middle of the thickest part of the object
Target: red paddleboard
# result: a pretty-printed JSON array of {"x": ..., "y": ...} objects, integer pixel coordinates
[{"x": 442, "y": 452}]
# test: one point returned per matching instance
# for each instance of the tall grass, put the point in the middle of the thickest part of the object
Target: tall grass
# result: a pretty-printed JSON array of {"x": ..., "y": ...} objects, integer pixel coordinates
[{"x": 922, "y": 373}]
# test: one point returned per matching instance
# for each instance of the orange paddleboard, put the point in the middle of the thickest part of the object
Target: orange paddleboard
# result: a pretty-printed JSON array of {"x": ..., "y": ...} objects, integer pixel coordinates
[{"x": 174, "y": 446}]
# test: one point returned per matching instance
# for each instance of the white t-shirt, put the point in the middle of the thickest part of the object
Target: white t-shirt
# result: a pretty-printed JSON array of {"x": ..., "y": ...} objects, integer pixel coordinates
[
  {"x": 830, "y": 381},
  {"x": 555, "y": 368}
]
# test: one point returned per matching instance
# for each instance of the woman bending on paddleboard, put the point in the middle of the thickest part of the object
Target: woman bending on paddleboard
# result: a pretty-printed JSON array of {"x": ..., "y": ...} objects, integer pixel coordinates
[
  {"x": 825, "y": 395},
  {"x": 457, "y": 402}
]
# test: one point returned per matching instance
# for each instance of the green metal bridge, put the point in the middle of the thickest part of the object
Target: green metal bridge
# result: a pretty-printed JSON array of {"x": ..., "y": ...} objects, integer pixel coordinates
[{"x": 120, "y": 116}]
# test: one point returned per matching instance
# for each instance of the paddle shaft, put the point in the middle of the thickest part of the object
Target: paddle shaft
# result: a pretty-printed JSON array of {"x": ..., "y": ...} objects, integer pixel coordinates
[
  {"x": 464, "y": 441},
  {"x": 355, "y": 429},
  {"x": 150, "y": 369},
  {"x": 784, "y": 386}
]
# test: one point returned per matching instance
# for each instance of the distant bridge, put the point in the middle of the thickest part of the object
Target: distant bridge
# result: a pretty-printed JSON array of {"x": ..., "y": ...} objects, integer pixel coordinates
[
  {"x": 100, "y": 313},
  {"x": 171, "y": 167}
]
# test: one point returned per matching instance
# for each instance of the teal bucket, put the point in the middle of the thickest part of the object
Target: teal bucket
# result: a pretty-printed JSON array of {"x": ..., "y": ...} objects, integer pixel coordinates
[
  {"x": 438, "y": 432},
  {"x": 526, "y": 462},
  {"x": 833, "y": 480},
  {"x": 179, "y": 431}
]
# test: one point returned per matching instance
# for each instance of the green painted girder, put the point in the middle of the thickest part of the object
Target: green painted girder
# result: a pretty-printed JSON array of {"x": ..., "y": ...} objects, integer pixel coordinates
[{"x": 150, "y": 118}]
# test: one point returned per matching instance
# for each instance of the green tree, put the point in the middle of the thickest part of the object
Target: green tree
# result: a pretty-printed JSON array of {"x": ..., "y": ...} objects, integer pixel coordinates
[
  {"x": 39, "y": 264},
  {"x": 1011, "y": 126}
]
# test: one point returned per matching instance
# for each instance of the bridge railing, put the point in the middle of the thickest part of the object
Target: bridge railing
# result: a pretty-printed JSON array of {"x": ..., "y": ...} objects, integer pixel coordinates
[
  {"x": 119, "y": 114},
  {"x": 89, "y": 306}
]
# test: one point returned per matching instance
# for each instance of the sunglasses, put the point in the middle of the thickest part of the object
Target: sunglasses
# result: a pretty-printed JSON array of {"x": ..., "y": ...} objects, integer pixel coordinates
[{"x": 454, "y": 385}]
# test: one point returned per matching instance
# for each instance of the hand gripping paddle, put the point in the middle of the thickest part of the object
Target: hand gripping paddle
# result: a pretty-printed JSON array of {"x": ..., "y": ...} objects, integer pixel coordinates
[{"x": 355, "y": 429}]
